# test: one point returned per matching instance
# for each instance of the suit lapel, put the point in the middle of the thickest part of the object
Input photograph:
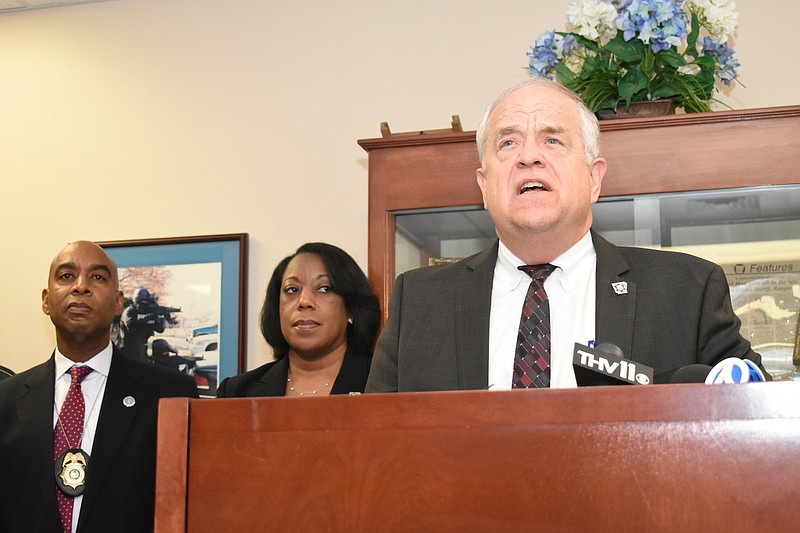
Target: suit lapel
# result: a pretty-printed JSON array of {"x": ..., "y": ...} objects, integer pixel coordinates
[
  {"x": 352, "y": 376},
  {"x": 616, "y": 297},
  {"x": 124, "y": 379},
  {"x": 473, "y": 299},
  {"x": 273, "y": 381},
  {"x": 35, "y": 411}
]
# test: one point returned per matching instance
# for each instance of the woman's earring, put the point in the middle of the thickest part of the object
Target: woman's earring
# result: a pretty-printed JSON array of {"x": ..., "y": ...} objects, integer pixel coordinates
[{"x": 350, "y": 320}]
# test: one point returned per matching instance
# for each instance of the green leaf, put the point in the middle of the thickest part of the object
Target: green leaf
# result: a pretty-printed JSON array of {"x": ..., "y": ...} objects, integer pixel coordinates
[
  {"x": 666, "y": 91},
  {"x": 672, "y": 58},
  {"x": 691, "y": 39},
  {"x": 631, "y": 83},
  {"x": 564, "y": 74},
  {"x": 648, "y": 64},
  {"x": 706, "y": 63},
  {"x": 630, "y": 51}
]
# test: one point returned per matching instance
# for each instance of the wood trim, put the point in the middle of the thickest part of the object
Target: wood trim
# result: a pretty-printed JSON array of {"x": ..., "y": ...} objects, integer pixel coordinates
[{"x": 172, "y": 465}]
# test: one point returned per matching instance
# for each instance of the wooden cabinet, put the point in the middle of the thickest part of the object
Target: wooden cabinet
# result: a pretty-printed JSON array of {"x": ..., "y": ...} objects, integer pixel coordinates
[{"x": 427, "y": 174}]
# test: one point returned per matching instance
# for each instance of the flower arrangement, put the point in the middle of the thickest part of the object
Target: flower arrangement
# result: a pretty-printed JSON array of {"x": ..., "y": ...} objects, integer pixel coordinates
[{"x": 623, "y": 51}]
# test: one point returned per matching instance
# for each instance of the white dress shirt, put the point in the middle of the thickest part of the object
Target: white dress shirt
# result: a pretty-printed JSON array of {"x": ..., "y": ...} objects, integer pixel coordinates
[
  {"x": 571, "y": 294},
  {"x": 93, "y": 387}
]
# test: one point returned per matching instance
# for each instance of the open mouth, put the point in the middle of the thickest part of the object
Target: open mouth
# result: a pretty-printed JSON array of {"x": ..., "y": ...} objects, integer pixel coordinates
[{"x": 532, "y": 186}]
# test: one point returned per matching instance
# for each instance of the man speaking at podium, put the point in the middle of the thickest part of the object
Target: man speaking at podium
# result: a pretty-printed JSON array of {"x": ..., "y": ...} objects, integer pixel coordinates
[{"x": 459, "y": 326}]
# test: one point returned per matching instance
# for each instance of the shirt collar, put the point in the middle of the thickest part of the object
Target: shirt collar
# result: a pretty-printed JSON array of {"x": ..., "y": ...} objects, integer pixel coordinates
[
  {"x": 571, "y": 266},
  {"x": 100, "y": 363},
  {"x": 577, "y": 263}
]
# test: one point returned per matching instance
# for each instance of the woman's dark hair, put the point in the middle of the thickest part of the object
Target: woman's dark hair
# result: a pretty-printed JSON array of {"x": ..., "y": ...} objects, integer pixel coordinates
[{"x": 347, "y": 280}]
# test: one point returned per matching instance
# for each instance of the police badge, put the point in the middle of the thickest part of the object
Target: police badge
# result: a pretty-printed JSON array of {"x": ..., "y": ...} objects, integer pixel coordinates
[{"x": 71, "y": 468}]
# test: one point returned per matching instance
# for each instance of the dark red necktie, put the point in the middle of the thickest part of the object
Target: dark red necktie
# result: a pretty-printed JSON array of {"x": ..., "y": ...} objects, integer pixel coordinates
[
  {"x": 532, "y": 359},
  {"x": 69, "y": 433}
]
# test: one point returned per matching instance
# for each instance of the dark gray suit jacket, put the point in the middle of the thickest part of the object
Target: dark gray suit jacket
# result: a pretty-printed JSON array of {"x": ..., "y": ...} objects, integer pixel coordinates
[
  {"x": 677, "y": 312},
  {"x": 120, "y": 481}
]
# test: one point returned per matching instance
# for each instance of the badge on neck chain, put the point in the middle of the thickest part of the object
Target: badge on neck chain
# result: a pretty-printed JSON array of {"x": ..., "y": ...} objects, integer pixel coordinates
[{"x": 71, "y": 468}]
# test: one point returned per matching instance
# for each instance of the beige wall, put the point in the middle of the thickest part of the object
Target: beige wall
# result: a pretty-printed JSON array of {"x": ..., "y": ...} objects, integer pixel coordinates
[{"x": 149, "y": 118}]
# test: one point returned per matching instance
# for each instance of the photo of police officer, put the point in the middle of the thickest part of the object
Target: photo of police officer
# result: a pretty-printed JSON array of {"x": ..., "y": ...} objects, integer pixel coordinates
[
  {"x": 184, "y": 338},
  {"x": 140, "y": 321}
]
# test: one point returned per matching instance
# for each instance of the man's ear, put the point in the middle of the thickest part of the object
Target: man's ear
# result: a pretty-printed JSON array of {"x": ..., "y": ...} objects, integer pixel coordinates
[
  {"x": 481, "y": 178},
  {"x": 120, "y": 303},
  {"x": 45, "y": 306},
  {"x": 596, "y": 173}
]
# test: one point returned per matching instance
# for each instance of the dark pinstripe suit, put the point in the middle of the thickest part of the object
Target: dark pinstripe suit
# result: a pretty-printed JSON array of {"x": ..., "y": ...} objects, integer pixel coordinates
[{"x": 676, "y": 312}]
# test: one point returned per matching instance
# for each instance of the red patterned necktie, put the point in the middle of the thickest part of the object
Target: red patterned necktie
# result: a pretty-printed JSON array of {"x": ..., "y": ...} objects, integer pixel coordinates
[
  {"x": 532, "y": 359},
  {"x": 69, "y": 433}
]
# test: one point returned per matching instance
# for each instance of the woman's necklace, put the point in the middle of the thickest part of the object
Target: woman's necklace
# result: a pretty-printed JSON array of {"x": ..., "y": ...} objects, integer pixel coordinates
[{"x": 313, "y": 392}]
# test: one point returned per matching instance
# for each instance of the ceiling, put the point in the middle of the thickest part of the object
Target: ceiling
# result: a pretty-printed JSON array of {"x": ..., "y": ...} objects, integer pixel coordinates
[{"x": 19, "y": 5}]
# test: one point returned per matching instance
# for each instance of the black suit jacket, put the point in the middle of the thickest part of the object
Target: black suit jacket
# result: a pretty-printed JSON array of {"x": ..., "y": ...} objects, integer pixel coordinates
[
  {"x": 270, "y": 379},
  {"x": 676, "y": 312},
  {"x": 120, "y": 484}
]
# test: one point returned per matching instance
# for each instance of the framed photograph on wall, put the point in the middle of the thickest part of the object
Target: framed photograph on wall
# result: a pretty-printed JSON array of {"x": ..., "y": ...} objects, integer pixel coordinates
[{"x": 185, "y": 304}]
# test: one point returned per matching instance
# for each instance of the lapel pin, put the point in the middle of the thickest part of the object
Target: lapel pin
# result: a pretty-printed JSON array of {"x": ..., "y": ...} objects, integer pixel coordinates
[
  {"x": 129, "y": 401},
  {"x": 620, "y": 287}
]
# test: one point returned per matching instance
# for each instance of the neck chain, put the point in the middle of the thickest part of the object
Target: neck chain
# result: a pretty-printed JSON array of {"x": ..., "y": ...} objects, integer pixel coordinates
[
  {"x": 307, "y": 393},
  {"x": 73, "y": 464},
  {"x": 85, "y": 422}
]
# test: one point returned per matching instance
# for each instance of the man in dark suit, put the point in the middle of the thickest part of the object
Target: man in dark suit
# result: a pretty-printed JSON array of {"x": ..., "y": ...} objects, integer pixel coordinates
[
  {"x": 456, "y": 326},
  {"x": 118, "y": 439},
  {"x": 5, "y": 373}
]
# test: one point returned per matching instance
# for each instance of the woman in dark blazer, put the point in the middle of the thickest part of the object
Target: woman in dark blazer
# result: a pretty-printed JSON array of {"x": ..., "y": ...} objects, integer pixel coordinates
[{"x": 321, "y": 318}]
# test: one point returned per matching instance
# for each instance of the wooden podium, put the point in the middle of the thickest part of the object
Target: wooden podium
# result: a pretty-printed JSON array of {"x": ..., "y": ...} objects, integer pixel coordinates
[{"x": 670, "y": 458}]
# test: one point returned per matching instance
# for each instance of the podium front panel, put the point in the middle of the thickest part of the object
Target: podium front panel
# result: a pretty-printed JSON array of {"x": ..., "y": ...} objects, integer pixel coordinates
[{"x": 658, "y": 458}]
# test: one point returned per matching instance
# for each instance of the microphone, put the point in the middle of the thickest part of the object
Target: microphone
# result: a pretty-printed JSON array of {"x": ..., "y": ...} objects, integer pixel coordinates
[
  {"x": 610, "y": 347},
  {"x": 691, "y": 374},
  {"x": 735, "y": 370},
  {"x": 605, "y": 365}
]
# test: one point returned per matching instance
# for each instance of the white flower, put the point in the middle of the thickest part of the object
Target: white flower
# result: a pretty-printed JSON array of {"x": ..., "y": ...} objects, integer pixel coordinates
[
  {"x": 593, "y": 19},
  {"x": 717, "y": 16},
  {"x": 575, "y": 62}
]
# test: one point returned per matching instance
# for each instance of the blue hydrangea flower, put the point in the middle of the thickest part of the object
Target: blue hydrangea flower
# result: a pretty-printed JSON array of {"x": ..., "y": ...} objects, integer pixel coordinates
[
  {"x": 548, "y": 50},
  {"x": 660, "y": 23},
  {"x": 723, "y": 55}
]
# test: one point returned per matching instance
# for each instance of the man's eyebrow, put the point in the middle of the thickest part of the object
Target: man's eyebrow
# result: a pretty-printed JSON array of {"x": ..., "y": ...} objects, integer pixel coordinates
[
  {"x": 547, "y": 129},
  {"x": 506, "y": 130},
  {"x": 101, "y": 266},
  {"x": 65, "y": 266},
  {"x": 92, "y": 268},
  {"x": 551, "y": 129}
]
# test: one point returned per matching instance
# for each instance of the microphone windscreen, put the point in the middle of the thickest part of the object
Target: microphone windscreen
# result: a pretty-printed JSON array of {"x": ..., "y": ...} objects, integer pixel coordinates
[
  {"x": 691, "y": 374},
  {"x": 735, "y": 370},
  {"x": 610, "y": 347}
]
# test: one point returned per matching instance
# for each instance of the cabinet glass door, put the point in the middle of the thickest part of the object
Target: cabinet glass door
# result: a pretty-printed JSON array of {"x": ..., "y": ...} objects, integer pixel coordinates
[{"x": 425, "y": 237}]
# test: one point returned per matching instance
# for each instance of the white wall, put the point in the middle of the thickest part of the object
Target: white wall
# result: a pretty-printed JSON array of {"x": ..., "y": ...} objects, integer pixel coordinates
[{"x": 148, "y": 118}]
